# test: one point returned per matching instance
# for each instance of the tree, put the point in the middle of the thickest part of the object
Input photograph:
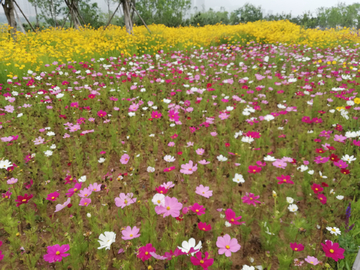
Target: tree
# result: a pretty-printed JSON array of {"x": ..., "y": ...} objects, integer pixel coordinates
[
  {"x": 209, "y": 17},
  {"x": 247, "y": 13},
  {"x": 50, "y": 10},
  {"x": 9, "y": 10}
]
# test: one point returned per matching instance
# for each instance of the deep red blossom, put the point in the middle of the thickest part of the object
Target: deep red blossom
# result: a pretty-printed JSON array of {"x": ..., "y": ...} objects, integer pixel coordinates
[{"x": 23, "y": 199}]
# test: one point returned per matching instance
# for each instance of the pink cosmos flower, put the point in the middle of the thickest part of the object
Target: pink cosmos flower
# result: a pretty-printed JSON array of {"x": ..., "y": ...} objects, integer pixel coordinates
[
  {"x": 169, "y": 255},
  {"x": 213, "y": 134},
  {"x": 204, "y": 191},
  {"x": 124, "y": 200},
  {"x": 227, "y": 245},
  {"x": 279, "y": 164},
  {"x": 169, "y": 169},
  {"x": 320, "y": 159},
  {"x": 204, "y": 227},
  {"x": 250, "y": 199},
  {"x": 86, "y": 192},
  {"x": 316, "y": 188},
  {"x": 312, "y": 260},
  {"x": 168, "y": 185},
  {"x": 53, "y": 196},
  {"x": 129, "y": 233},
  {"x": 203, "y": 162},
  {"x": 231, "y": 217},
  {"x": 224, "y": 116},
  {"x": 56, "y": 253},
  {"x": 59, "y": 207},
  {"x": 144, "y": 252},
  {"x": 172, "y": 207},
  {"x": 200, "y": 151},
  {"x": 296, "y": 247},
  {"x": 340, "y": 138},
  {"x": 203, "y": 262},
  {"x": 198, "y": 209},
  {"x": 284, "y": 179},
  {"x": 12, "y": 181},
  {"x": 6, "y": 195},
  {"x": 72, "y": 191},
  {"x": 188, "y": 168},
  {"x": 95, "y": 187},
  {"x": 341, "y": 164},
  {"x": 124, "y": 159},
  {"x": 85, "y": 201},
  {"x": 254, "y": 169},
  {"x": 333, "y": 250}
]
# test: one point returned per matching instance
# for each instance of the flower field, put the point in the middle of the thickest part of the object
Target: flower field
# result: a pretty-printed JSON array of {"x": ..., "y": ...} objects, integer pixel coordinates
[{"x": 243, "y": 155}]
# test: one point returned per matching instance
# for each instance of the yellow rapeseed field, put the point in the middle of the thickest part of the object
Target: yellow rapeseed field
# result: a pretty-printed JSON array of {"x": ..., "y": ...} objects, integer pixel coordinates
[{"x": 34, "y": 50}]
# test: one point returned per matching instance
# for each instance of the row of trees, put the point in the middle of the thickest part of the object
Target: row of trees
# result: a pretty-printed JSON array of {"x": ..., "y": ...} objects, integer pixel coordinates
[{"x": 173, "y": 13}]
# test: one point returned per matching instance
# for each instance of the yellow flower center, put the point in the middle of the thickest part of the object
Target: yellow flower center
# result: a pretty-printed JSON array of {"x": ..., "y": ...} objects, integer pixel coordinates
[
  {"x": 158, "y": 201},
  {"x": 57, "y": 253},
  {"x": 232, "y": 220},
  {"x": 203, "y": 229},
  {"x": 331, "y": 251},
  {"x": 131, "y": 235},
  {"x": 197, "y": 210},
  {"x": 85, "y": 195},
  {"x": 24, "y": 200},
  {"x": 146, "y": 253},
  {"x": 52, "y": 197},
  {"x": 168, "y": 208},
  {"x": 227, "y": 247},
  {"x": 75, "y": 189},
  {"x": 295, "y": 249},
  {"x": 201, "y": 261}
]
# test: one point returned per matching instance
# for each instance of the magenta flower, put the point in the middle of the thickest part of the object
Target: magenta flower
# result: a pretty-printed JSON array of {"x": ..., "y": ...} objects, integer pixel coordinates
[
  {"x": 341, "y": 164},
  {"x": 85, "y": 201},
  {"x": 296, "y": 247},
  {"x": 169, "y": 169},
  {"x": 56, "y": 253},
  {"x": 124, "y": 159},
  {"x": 251, "y": 199},
  {"x": 231, "y": 217},
  {"x": 320, "y": 159},
  {"x": 169, "y": 255},
  {"x": 284, "y": 179},
  {"x": 322, "y": 198},
  {"x": 101, "y": 113},
  {"x": 172, "y": 207},
  {"x": 129, "y": 233},
  {"x": 72, "y": 191},
  {"x": 156, "y": 115},
  {"x": 204, "y": 227},
  {"x": 1, "y": 255},
  {"x": 53, "y": 196},
  {"x": 254, "y": 169},
  {"x": 316, "y": 188},
  {"x": 144, "y": 252},
  {"x": 204, "y": 191},
  {"x": 124, "y": 200},
  {"x": 188, "y": 168},
  {"x": 227, "y": 245},
  {"x": 198, "y": 209},
  {"x": 333, "y": 250},
  {"x": 203, "y": 262},
  {"x": 6, "y": 195}
]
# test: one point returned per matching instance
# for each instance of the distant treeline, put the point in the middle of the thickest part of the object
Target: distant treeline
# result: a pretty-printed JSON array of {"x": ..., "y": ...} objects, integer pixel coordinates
[{"x": 172, "y": 13}]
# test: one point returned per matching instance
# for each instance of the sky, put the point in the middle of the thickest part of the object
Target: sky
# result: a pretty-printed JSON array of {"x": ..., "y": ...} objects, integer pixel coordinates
[{"x": 274, "y": 6}]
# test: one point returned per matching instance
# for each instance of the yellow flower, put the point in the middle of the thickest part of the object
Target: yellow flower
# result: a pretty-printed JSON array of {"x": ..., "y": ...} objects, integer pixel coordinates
[{"x": 357, "y": 100}]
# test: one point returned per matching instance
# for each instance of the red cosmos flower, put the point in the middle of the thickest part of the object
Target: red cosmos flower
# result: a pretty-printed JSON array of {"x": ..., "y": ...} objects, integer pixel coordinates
[
  {"x": 344, "y": 171},
  {"x": 204, "y": 227},
  {"x": 198, "y": 209},
  {"x": 284, "y": 179},
  {"x": 324, "y": 184},
  {"x": 169, "y": 169},
  {"x": 227, "y": 144},
  {"x": 316, "y": 120},
  {"x": 339, "y": 127},
  {"x": 203, "y": 262},
  {"x": 316, "y": 188},
  {"x": 150, "y": 119},
  {"x": 179, "y": 153},
  {"x": 334, "y": 157},
  {"x": 322, "y": 198},
  {"x": 320, "y": 150},
  {"x": 254, "y": 169},
  {"x": 174, "y": 136},
  {"x": 232, "y": 218},
  {"x": 296, "y": 247},
  {"x": 331, "y": 147},
  {"x": 161, "y": 190},
  {"x": 91, "y": 96},
  {"x": 306, "y": 119},
  {"x": 23, "y": 199},
  {"x": 208, "y": 85}
]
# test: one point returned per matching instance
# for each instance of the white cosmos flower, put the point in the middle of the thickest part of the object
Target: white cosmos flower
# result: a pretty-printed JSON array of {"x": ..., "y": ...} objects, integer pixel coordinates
[
  {"x": 221, "y": 158},
  {"x": 101, "y": 160},
  {"x": 293, "y": 208},
  {"x": 4, "y": 164},
  {"x": 321, "y": 175},
  {"x": 48, "y": 153},
  {"x": 167, "y": 100},
  {"x": 289, "y": 200},
  {"x": 303, "y": 168},
  {"x": 152, "y": 135},
  {"x": 53, "y": 146},
  {"x": 131, "y": 114},
  {"x": 50, "y": 133},
  {"x": 169, "y": 158},
  {"x": 106, "y": 239},
  {"x": 269, "y": 117},
  {"x": 334, "y": 230},
  {"x": 237, "y": 134},
  {"x": 150, "y": 169},
  {"x": 187, "y": 245},
  {"x": 238, "y": 178},
  {"x": 246, "y": 267},
  {"x": 246, "y": 139},
  {"x": 348, "y": 158},
  {"x": 311, "y": 172},
  {"x": 20, "y": 114},
  {"x": 82, "y": 179},
  {"x": 227, "y": 224},
  {"x": 269, "y": 158},
  {"x": 158, "y": 199},
  {"x": 229, "y": 108},
  {"x": 60, "y": 95},
  {"x": 340, "y": 197}
]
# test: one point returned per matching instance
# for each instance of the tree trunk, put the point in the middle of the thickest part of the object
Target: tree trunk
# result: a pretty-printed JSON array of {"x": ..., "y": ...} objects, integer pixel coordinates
[
  {"x": 127, "y": 16},
  {"x": 37, "y": 16},
  {"x": 9, "y": 11}
]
